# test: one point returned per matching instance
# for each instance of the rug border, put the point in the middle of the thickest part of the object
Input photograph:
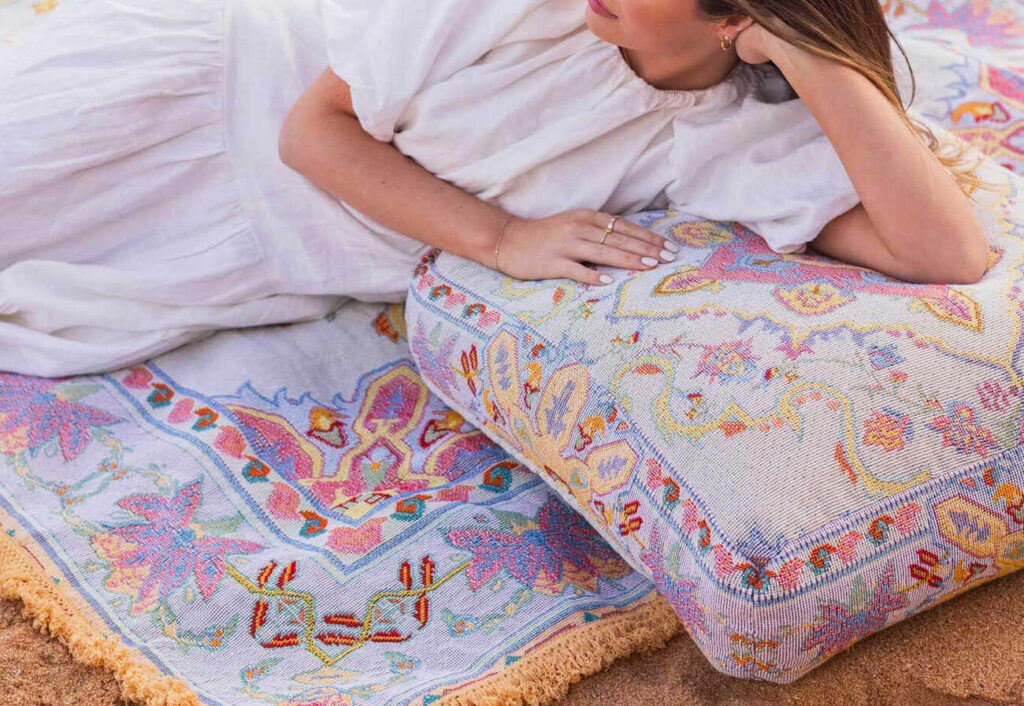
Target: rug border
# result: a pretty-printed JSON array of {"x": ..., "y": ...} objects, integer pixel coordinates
[
  {"x": 23, "y": 578},
  {"x": 542, "y": 676}
]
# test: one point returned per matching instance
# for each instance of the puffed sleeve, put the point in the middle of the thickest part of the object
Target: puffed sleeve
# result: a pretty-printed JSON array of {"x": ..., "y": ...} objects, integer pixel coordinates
[
  {"x": 387, "y": 50},
  {"x": 767, "y": 166}
]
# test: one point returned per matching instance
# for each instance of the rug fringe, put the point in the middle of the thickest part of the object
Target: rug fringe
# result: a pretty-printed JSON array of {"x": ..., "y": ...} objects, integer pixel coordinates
[
  {"x": 542, "y": 676},
  {"x": 24, "y": 579},
  {"x": 545, "y": 674}
]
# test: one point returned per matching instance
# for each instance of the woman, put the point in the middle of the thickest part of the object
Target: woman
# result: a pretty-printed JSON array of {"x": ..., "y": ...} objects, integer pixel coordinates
[{"x": 169, "y": 169}]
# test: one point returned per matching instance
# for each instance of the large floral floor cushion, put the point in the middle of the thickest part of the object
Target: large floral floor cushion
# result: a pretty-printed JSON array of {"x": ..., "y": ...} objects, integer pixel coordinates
[
  {"x": 288, "y": 516},
  {"x": 797, "y": 451}
]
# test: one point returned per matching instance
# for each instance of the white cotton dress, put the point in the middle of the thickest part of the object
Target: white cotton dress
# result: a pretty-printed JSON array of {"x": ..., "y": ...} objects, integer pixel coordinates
[{"x": 143, "y": 203}]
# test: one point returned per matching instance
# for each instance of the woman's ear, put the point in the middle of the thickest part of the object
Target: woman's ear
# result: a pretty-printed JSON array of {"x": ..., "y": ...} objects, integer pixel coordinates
[{"x": 735, "y": 24}]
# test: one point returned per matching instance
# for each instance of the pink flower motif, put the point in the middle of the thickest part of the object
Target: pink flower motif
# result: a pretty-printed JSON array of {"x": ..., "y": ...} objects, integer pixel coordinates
[
  {"x": 789, "y": 573},
  {"x": 283, "y": 502},
  {"x": 724, "y": 564},
  {"x": 976, "y": 19},
  {"x": 842, "y": 624},
  {"x": 732, "y": 361},
  {"x": 151, "y": 559},
  {"x": 960, "y": 429},
  {"x": 846, "y": 548},
  {"x": 691, "y": 518},
  {"x": 34, "y": 410},
  {"x": 545, "y": 553},
  {"x": 994, "y": 397},
  {"x": 905, "y": 517},
  {"x": 357, "y": 540}
]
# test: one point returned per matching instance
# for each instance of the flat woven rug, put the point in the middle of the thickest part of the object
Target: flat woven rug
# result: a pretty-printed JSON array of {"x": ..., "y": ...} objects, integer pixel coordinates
[{"x": 288, "y": 516}]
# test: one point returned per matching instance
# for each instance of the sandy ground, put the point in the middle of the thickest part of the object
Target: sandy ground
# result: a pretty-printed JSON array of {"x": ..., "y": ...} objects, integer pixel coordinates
[{"x": 969, "y": 650}]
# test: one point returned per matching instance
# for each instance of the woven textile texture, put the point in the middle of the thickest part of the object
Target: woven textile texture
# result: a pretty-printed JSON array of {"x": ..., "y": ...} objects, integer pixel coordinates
[
  {"x": 797, "y": 451},
  {"x": 784, "y": 453},
  {"x": 287, "y": 515}
]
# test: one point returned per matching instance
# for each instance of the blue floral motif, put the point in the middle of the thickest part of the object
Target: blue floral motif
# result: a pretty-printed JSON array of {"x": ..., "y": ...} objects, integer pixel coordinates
[
  {"x": 961, "y": 429},
  {"x": 680, "y": 593},
  {"x": 762, "y": 262},
  {"x": 884, "y": 356}
]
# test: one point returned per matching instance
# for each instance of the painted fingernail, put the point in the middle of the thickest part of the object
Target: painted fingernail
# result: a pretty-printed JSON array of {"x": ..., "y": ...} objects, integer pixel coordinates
[
  {"x": 666, "y": 255},
  {"x": 606, "y": 279},
  {"x": 649, "y": 261},
  {"x": 671, "y": 246}
]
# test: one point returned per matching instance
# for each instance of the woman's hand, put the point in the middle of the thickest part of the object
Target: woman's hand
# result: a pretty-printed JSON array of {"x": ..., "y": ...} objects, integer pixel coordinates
[
  {"x": 754, "y": 45},
  {"x": 555, "y": 246}
]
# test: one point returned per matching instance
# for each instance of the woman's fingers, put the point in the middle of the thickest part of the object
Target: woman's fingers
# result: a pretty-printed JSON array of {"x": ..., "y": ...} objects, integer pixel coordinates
[
  {"x": 629, "y": 236},
  {"x": 581, "y": 273},
  {"x": 618, "y": 250},
  {"x": 586, "y": 250},
  {"x": 569, "y": 245}
]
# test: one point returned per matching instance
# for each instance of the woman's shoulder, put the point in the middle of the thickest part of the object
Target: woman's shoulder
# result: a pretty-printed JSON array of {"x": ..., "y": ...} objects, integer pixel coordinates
[
  {"x": 390, "y": 50},
  {"x": 448, "y": 26}
]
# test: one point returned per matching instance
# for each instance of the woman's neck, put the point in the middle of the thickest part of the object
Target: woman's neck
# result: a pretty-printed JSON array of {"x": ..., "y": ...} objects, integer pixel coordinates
[{"x": 665, "y": 72}]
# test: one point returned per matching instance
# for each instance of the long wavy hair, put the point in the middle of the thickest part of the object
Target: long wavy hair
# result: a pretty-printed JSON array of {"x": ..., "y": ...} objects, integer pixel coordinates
[{"x": 856, "y": 34}]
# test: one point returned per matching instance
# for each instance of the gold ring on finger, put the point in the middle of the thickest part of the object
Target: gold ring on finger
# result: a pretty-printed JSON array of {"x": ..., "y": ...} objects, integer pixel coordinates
[{"x": 608, "y": 228}]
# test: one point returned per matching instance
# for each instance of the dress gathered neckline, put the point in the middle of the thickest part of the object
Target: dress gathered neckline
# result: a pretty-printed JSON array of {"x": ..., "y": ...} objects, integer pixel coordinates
[{"x": 738, "y": 77}]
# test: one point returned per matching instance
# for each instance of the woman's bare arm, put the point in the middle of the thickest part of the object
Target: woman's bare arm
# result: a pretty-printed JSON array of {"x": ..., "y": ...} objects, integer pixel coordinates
[
  {"x": 913, "y": 221},
  {"x": 322, "y": 139}
]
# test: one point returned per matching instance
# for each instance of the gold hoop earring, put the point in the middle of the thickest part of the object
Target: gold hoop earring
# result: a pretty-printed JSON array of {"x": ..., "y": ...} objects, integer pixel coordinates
[{"x": 726, "y": 42}]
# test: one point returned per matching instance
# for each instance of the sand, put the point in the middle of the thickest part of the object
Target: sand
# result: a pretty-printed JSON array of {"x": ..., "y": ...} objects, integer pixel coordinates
[{"x": 969, "y": 650}]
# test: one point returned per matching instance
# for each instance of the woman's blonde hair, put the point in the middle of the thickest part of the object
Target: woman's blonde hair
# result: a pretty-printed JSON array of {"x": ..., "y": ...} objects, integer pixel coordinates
[{"x": 854, "y": 33}]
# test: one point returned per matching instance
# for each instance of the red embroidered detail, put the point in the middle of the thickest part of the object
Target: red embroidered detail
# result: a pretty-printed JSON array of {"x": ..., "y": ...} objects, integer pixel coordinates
[
  {"x": 844, "y": 463},
  {"x": 288, "y": 640},
  {"x": 631, "y": 521},
  {"x": 287, "y": 575},
  {"x": 348, "y": 620},
  {"x": 265, "y": 573},
  {"x": 259, "y": 616},
  {"x": 207, "y": 419}
]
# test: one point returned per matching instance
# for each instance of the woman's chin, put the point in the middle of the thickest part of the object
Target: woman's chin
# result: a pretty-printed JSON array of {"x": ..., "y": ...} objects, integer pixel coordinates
[{"x": 598, "y": 25}]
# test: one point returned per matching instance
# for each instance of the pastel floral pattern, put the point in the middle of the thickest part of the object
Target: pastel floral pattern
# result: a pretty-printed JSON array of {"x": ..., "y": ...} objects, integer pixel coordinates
[
  {"x": 839, "y": 625},
  {"x": 889, "y": 429},
  {"x": 151, "y": 559},
  {"x": 884, "y": 356},
  {"x": 680, "y": 593},
  {"x": 35, "y": 410},
  {"x": 844, "y": 374},
  {"x": 732, "y": 361},
  {"x": 977, "y": 20},
  {"x": 545, "y": 553},
  {"x": 994, "y": 397},
  {"x": 960, "y": 429}
]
